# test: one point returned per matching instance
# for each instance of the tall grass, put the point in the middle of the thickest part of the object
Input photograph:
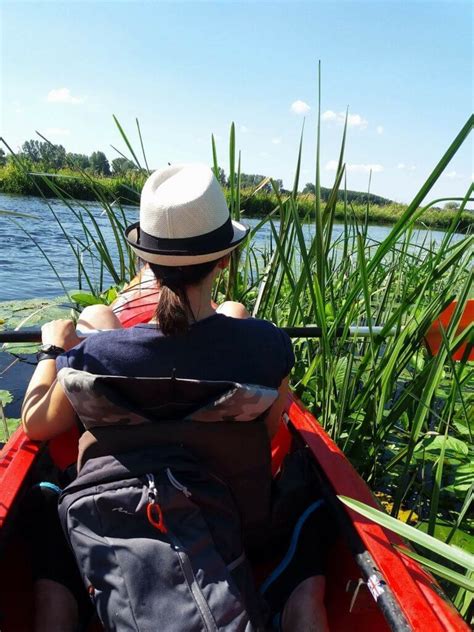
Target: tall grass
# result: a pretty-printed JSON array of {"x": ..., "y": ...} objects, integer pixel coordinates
[{"x": 403, "y": 417}]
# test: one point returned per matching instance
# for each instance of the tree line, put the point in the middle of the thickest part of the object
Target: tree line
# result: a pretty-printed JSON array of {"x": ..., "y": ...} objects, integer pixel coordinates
[{"x": 52, "y": 157}]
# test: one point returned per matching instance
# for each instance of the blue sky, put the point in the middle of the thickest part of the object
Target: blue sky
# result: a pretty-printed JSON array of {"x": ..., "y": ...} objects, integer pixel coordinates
[{"x": 187, "y": 70}]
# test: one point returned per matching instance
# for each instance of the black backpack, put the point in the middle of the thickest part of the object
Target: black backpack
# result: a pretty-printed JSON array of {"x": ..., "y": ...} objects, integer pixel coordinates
[
  {"x": 156, "y": 532},
  {"x": 158, "y": 542}
]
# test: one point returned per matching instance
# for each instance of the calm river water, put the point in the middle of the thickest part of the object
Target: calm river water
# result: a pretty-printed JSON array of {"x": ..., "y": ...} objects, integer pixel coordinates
[{"x": 24, "y": 271}]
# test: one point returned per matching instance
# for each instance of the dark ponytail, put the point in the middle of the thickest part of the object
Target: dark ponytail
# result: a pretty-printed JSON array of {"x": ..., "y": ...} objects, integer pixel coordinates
[{"x": 173, "y": 311}]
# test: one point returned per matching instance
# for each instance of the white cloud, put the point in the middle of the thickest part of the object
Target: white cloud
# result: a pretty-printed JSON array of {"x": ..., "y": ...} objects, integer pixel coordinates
[
  {"x": 376, "y": 168},
  {"x": 353, "y": 120},
  {"x": 356, "y": 120},
  {"x": 244, "y": 129},
  {"x": 300, "y": 107},
  {"x": 404, "y": 167},
  {"x": 63, "y": 95},
  {"x": 379, "y": 129},
  {"x": 329, "y": 115},
  {"x": 276, "y": 140},
  {"x": 453, "y": 175},
  {"x": 355, "y": 168},
  {"x": 401, "y": 165},
  {"x": 55, "y": 131}
]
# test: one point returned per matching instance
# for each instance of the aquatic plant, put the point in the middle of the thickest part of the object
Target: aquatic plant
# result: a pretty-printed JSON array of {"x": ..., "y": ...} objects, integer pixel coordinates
[{"x": 401, "y": 415}]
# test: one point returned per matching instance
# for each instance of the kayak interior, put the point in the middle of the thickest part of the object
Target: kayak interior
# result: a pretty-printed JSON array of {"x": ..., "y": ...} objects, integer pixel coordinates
[
  {"x": 349, "y": 603},
  {"x": 370, "y": 585}
]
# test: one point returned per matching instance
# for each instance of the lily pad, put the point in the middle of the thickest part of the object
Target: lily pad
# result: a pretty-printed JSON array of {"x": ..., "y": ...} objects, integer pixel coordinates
[
  {"x": 30, "y": 313},
  {"x": 12, "y": 425},
  {"x": 461, "y": 538}
]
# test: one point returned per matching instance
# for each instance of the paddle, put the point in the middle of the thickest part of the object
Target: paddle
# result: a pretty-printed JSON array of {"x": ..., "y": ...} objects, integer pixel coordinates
[
  {"x": 310, "y": 331},
  {"x": 433, "y": 337}
]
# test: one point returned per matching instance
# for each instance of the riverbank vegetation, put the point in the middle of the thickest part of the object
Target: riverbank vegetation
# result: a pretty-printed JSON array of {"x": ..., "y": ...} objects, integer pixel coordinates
[
  {"x": 79, "y": 177},
  {"x": 401, "y": 415}
]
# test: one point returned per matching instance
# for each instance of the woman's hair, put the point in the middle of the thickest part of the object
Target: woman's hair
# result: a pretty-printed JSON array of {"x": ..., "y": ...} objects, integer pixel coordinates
[{"x": 173, "y": 311}]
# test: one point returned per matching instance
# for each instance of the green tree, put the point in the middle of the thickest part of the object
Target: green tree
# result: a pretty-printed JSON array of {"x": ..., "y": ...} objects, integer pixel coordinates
[
  {"x": 122, "y": 165},
  {"x": 248, "y": 180},
  {"x": 451, "y": 206},
  {"x": 31, "y": 150},
  {"x": 49, "y": 155},
  {"x": 99, "y": 163},
  {"x": 221, "y": 177},
  {"x": 3, "y": 158},
  {"x": 309, "y": 188},
  {"x": 77, "y": 161}
]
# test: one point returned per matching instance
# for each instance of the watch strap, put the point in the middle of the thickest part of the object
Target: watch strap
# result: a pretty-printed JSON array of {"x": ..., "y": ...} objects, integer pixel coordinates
[
  {"x": 41, "y": 355},
  {"x": 49, "y": 352}
]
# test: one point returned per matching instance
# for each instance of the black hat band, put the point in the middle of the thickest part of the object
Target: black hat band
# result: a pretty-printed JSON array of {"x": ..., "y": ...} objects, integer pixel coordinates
[{"x": 214, "y": 241}]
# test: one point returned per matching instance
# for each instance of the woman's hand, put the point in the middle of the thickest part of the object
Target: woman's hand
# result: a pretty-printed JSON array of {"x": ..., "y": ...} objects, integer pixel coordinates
[{"x": 60, "y": 333}]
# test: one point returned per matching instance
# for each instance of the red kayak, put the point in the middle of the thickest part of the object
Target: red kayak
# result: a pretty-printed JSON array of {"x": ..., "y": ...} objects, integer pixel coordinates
[{"x": 371, "y": 587}]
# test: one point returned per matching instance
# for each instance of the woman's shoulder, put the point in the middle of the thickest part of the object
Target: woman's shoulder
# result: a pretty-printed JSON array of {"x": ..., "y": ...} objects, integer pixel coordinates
[{"x": 250, "y": 325}]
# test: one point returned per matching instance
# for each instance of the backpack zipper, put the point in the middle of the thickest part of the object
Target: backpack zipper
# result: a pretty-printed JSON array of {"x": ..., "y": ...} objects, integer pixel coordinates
[
  {"x": 153, "y": 509},
  {"x": 179, "y": 486},
  {"x": 183, "y": 557},
  {"x": 194, "y": 587}
]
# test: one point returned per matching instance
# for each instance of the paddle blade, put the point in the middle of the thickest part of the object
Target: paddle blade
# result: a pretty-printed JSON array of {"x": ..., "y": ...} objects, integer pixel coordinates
[{"x": 434, "y": 336}]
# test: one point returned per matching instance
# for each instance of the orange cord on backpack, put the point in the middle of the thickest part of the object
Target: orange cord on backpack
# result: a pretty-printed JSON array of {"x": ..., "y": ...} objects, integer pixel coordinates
[{"x": 155, "y": 516}]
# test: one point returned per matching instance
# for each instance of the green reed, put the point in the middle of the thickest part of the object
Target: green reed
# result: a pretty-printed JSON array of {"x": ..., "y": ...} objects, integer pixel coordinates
[{"x": 403, "y": 417}]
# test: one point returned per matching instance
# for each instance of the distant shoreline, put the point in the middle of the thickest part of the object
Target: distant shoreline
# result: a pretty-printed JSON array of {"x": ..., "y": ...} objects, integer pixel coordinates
[{"x": 125, "y": 189}]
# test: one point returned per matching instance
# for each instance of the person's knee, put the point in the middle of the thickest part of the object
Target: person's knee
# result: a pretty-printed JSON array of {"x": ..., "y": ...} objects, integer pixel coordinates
[
  {"x": 98, "y": 317},
  {"x": 305, "y": 607},
  {"x": 55, "y": 607},
  {"x": 233, "y": 309}
]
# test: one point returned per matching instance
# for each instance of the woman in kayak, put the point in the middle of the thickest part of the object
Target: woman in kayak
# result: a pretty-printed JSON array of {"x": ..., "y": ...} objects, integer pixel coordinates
[{"x": 185, "y": 234}]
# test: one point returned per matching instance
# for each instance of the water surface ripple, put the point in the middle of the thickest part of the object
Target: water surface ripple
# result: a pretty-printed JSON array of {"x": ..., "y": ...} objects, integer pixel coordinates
[{"x": 25, "y": 273}]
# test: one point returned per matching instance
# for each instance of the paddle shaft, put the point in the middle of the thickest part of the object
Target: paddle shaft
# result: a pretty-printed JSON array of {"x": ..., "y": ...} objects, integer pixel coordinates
[{"x": 311, "y": 331}]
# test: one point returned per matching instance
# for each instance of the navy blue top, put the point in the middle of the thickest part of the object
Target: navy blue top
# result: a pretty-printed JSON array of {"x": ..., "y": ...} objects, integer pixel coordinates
[{"x": 216, "y": 348}]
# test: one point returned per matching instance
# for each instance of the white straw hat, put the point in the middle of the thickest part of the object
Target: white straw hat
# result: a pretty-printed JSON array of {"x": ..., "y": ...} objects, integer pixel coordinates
[{"x": 184, "y": 218}]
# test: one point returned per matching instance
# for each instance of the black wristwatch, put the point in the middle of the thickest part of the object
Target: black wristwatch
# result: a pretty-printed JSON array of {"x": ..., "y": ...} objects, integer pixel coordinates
[{"x": 49, "y": 352}]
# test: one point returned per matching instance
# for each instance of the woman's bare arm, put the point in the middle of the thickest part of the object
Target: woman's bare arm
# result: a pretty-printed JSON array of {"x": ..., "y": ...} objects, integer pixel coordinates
[{"x": 46, "y": 410}]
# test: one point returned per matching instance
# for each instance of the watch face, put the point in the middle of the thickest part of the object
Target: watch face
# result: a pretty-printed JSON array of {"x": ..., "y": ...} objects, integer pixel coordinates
[
  {"x": 53, "y": 349},
  {"x": 47, "y": 348}
]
